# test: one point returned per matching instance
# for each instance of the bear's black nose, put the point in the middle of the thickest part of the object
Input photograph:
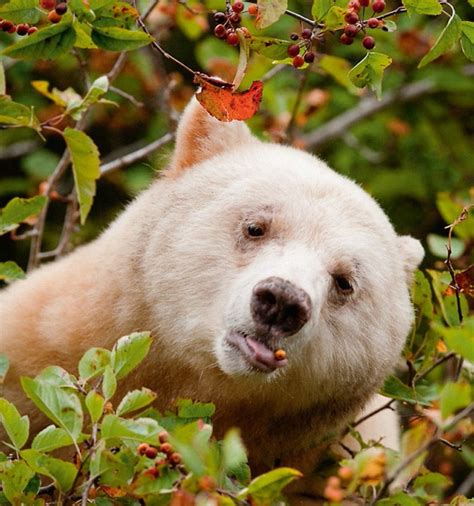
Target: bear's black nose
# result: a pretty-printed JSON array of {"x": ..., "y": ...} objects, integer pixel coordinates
[{"x": 279, "y": 308}]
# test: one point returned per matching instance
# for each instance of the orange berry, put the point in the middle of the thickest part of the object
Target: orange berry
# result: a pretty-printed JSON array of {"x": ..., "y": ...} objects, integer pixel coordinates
[
  {"x": 280, "y": 354},
  {"x": 207, "y": 483},
  {"x": 345, "y": 473},
  {"x": 166, "y": 448},
  {"x": 334, "y": 481},
  {"x": 333, "y": 494},
  {"x": 163, "y": 436},
  {"x": 54, "y": 17},
  {"x": 142, "y": 448},
  {"x": 253, "y": 9},
  {"x": 175, "y": 458}
]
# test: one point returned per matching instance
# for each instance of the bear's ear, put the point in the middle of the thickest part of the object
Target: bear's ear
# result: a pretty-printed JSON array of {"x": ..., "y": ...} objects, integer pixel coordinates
[
  {"x": 200, "y": 136},
  {"x": 412, "y": 254}
]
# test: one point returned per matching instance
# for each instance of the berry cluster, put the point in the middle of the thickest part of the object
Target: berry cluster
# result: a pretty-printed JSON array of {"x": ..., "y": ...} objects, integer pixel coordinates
[
  {"x": 305, "y": 41},
  {"x": 355, "y": 24},
  {"x": 227, "y": 22},
  {"x": 20, "y": 29},
  {"x": 56, "y": 10},
  {"x": 171, "y": 457}
]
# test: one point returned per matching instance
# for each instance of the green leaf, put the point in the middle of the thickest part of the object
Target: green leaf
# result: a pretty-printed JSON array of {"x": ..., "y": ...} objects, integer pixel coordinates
[
  {"x": 412, "y": 440},
  {"x": 270, "y": 11},
  {"x": 83, "y": 35},
  {"x": 467, "y": 39},
  {"x": 338, "y": 69},
  {"x": 136, "y": 399},
  {"x": 450, "y": 209},
  {"x": 460, "y": 339},
  {"x": 268, "y": 487},
  {"x": 21, "y": 11},
  {"x": 425, "y": 7},
  {"x": 51, "y": 438},
  {"x": 114, "y": 38},
  {"x": 109, "y": 383},
  {"x": 98, "y": 88},
  {"x": 141, "y": 429},
  {"x": 399, "y": 499},
  {"x": 369, "y": 72},
  {"x": 63, "y": 473},
  {"x": 421, "y": 295},
  {"x": 275, "y": 49},
  {"x": 59, "y": 405},
  {"x": 3, "y": 86},
  {"x": 114, "y": 469},
  {"x": 438, "y": 243},
  {"x": 61, "y": 98},
  {"x": 19, "y": 115},
  {"x": 19, "y": 210},
  {"x": 85, "y": 167},
  {"x": 320, "y": 8},
  {"x": 10, "y": 270},
  {"x": 16, "y": 426},
  {"x": 433, "y": 484},
  {"x": 129, "y": 352},
  {"x": 15, "y": 476},
  {"x": 448, "y": 304},
  {"x": 396, "y": 389},
  {"x": 45, "y": 44},
  {"x": 189, "y": 409},
  {"x": 93, "y": 363},
  {"x": 4, "y": 366},
  {"x": 454, "y": 396},
  {"x": 146, "y": 485},
  {"x": 95, "y": 405},
  {"x": 445, "y": 41},
  {"x": 234, "y": 455},
  {"x": 335, "y": 18},
  {"x": 57, "y": 376}
]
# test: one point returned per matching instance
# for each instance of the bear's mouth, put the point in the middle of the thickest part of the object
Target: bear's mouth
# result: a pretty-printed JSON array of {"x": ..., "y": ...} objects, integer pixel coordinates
[{"x": 257, "y": 354}]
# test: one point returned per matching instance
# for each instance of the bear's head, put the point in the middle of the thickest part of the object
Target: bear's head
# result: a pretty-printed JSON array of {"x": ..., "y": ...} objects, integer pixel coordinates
[{"x": 261, "y": 247}]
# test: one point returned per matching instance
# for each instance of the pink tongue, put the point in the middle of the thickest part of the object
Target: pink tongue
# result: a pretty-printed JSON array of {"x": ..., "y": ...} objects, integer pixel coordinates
[{"x": 264, "y": 354}]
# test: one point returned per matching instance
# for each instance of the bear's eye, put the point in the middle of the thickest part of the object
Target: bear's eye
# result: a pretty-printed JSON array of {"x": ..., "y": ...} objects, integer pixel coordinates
[
  {"x": 255, "y": 230},
  {"x": 343, "y": 285}
]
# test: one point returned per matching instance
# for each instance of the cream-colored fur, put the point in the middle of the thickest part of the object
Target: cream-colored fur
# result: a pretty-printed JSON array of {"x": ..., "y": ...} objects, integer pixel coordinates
[{"x": 177, "y": 262}]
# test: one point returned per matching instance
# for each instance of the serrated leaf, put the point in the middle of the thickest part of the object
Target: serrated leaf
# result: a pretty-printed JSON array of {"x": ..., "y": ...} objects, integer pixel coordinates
[
  {"x": 369, "y": 72},
  {"x": 98, "y": 88},
  {"x": 140, "y": 429},
  {"x": 59, "y": 405},
  {"x": 85, "y": 167},
  {"x": 16, "y": 426},
  {"x": 275, "y": 49},
  {"x": 115, "y": 38},
  {"x": 424, "y": 7},
  {"x": 453, "y": 397},
  {"x": 445, "y": 41},
  {"x": 10, "y": 270},
  {"x": 63, "y": 473},
  {"x": 12, "y": 113},
  {"x": 18, "y": 210},
  {"x": 45, "y": 44},
  {"x": 467, "y": 39},
  {"x": 57, "y": 376},
  {"x": 93, "y": 363},
  {"x": 109, "y": 383},
  {"x": 136, "y": 399},
  {"x": 189, "y": 409},
  {"x": 95, "y": 405},
  {"x": 320, "y": 8},
  {"x": 338, "y": 69},
  {"x": 129, "y": 351},
  {"x": 268, "y": 487},
  {"x": 51, "y": 438},
  {"x": 396, "y": 389},
  {"x": 114, "y": 469},
  {"x": 4, "y": 366},
  {"x": 21, "y": 11},
  {"x": 270, "y": 11}
]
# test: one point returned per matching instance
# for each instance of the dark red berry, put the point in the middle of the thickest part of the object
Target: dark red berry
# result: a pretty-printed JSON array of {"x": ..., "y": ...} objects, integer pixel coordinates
[
  {"x": 166, "y": 448},
  {"x": 298, "y": 61},
  {"x": 368, "y": 42},
  {"x": 151, "y": 452},
  {"x": 220, "y": 31},
  {"x": 142, "y": 448},
  {"x": 220, "y": 17},
  {"x": 351, "y": 30},
  {"x": 22, "y": 29},
  {"x": 47, "y": 4},
  {"x": 351, "y": 17},
  {"x": 294, "y": 36},
  {"x": 293, "y": 50},
  {"x": 12, "y": 29},
  {"x": 346, "y": 40},
  {"x": 306, "y": 33},
  {"x": 6, "y": 25},
  {"x": 163, "y": 437},
  {"x": 235, "y": 18},
  {"x": 309, "y": 58},
  {"x": 61, "y": 8},
  {"x": 232, "y": 38},
  {"x": 354, "y": 5},
  {"x": 373, "y": 23},
  {"x": 238, "y": 7},
  {"x": 378, "y": 5},
  {"x": 175, "y": 459},
  {"x": 32, "y": 30},
  {"x": 364, "y": 3}
]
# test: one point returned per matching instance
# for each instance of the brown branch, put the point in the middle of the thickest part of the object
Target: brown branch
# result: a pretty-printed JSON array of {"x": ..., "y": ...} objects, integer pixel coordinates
[{"x": 387, "y": 405}]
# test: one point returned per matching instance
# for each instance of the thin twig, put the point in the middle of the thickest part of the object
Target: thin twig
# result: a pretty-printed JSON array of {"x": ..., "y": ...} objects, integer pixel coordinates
[
  {"x": 299, "y": 97},
  {"x": 387, "y": 405},
  {"x": 126, "y": 95}
]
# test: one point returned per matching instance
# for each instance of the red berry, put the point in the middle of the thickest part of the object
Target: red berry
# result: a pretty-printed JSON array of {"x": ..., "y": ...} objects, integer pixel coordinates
[
  {"x": 293, "y": 50},
  {"x": 238, "y": 7},
  {"x": 166, "y": 448},
  {"x": 47, "y": 4},
  {"x": 175, "y": 459},
  {"x": 22, "y": 29},
  {"x": 346, "y": 40},
  {"x": 368, "y": 42},
  {"x": 232, "y": 38},
  {"x": 6, "y": 25},
  {"x": 142, "y": 448},
  {"x": 373, "y": 23},
  {"x": 12, "y": 29},
  {"x": 308, "y": 58},
  {"x": 54, "y": 17},
  {"x": 351, "y": 17},
  {"x": 220, "y": 31},
  {"x": 351, "y": 30},
  {"x": 151, "y": 452},
  {"x": 32, "y": 30},
  {"x": 298, "y": 61},
  {"x": 294, "y": 36},
  {"x": 253, "y": 9},
  {"x": 220, "y": 17},
  {"x": 235, "y": 18},
  {"x": 61, "y": 8},
  {"x": 378, "y": 5},
  {"x": 306, "y": 33},
  {"x": 163, "y": 436},
  {"x": 364, "y": 3},
  {"x": 354, "y": 5}
]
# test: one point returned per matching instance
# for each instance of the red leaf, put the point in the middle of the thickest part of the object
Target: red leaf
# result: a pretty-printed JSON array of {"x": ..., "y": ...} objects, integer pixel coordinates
[
  {"x": 465, "y": 281},
  {"x": 224, "y": 104}
]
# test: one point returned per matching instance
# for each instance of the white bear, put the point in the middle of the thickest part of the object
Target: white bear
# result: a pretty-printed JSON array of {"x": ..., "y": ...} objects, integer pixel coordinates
[{"x": 242, "y": 248}]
